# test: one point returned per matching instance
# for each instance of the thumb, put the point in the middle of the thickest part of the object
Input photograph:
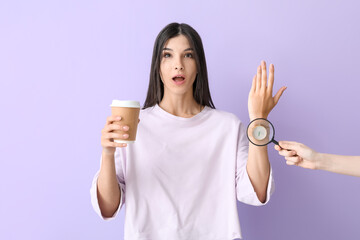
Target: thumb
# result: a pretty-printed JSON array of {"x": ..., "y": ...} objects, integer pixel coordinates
[
  {"x": 290, "y": 145},
  {"x": 278, "y": 94}
]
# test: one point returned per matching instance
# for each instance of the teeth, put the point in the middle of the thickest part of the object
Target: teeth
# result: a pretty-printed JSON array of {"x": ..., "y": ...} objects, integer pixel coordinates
[{"x": 178, "y": 78}]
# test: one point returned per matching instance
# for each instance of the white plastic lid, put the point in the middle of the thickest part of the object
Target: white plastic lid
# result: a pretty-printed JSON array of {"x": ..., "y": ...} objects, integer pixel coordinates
[{"x": 130, "y": 104}]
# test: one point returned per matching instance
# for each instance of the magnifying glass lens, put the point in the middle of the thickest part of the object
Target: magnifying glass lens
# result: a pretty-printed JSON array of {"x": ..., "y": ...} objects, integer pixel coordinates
[{"x": 260, "y": 132}]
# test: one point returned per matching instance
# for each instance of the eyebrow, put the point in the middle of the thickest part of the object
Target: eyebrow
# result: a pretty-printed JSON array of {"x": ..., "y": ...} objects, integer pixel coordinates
[{"x": 169, "y": 49}]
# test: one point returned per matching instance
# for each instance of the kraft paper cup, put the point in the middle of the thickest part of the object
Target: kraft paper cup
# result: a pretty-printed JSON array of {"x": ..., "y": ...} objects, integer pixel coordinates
[{"x": 129, "y": 112}]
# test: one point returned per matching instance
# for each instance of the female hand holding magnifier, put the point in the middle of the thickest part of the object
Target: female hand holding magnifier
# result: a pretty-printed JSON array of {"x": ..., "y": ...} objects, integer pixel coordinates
[{"x": 301, "y": 155}]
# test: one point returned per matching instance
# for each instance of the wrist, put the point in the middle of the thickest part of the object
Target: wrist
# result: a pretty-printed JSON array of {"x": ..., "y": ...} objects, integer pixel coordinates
[
  {"x": 320, "y": 163},
  {"x": 255, "y": 116},
  {"x": 107, "y": 162},
  {"x": 324, "y": 162},
  {"x": 107, "y": 154}
]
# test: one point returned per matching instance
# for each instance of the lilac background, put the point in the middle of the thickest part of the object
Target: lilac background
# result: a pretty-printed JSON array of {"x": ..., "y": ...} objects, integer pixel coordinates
[{"x": 62, "y": 62}]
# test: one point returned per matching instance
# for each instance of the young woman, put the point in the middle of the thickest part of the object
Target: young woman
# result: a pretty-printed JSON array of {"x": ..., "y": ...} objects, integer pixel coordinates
[{"x": 190, "y": 162}]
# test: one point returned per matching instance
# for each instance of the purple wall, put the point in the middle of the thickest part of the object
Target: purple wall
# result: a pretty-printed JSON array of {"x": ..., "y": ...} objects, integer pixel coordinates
[{"x": 62, "y": 62}]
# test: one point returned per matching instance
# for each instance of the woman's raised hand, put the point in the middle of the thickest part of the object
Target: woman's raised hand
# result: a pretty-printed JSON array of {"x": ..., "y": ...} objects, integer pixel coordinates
[
  {"x": 261, "y": 100},
  {"x": 107, "y": 134}
]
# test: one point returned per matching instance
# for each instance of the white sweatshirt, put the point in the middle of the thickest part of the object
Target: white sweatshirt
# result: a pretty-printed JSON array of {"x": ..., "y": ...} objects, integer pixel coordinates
[{"x": 181, "y": 178}]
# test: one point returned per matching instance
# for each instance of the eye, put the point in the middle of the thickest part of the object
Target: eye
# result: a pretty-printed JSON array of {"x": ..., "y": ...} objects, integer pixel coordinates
[
  {"x": 166, "y": 55},
  {"x": 189, "y": 55}
]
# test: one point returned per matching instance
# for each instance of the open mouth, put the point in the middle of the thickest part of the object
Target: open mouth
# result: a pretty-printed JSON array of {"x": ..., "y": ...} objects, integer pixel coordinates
[{"x": 178, "y": 79}]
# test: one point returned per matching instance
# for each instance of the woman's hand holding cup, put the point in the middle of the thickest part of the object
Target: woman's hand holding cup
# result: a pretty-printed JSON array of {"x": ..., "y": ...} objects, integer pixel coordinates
[
  {"x": 108, "y": 134},
  {"x": 121, "y": 127}
]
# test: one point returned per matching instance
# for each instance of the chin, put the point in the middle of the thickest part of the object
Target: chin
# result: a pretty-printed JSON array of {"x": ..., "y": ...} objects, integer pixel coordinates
[{"x": 182, "y": 90}]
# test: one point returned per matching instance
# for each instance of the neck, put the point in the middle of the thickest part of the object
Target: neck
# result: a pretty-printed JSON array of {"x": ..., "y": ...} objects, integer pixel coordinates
[{"x": 180, "y": 105}]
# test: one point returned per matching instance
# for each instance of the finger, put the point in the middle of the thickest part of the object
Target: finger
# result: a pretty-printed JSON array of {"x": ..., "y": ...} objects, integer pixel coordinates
[
  {"x": 295, "y": 160},
  {"x": 112, "y": 127},
  {"x": 277, "y": 148},
  {"x": 253, "y": 86},
  {"x": 271, "y": 79},
  {"x": 115, "y": 144},
  {"x": 278, "y": 94},
  {"x": 263, "y": 74},
  {"x": 287, "y": 153},
  {"x": 289, "y": 145},
  {"x": 258, "y": 78},
  {"x": 111, "y": 119},
  {"x": 112, "y": 135},
  {"x": 290, "y": 163}
]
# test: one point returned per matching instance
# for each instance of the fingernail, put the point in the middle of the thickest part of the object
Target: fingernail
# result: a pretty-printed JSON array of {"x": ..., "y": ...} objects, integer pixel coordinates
[
  {"x": 125, "y": 135},
  {"x": 118, "y": 118},
  {"x": 125, "y": 128}
]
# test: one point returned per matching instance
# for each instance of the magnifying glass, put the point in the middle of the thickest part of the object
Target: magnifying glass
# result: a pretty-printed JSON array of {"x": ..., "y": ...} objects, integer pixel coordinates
[{"x": 261, "y": 132}]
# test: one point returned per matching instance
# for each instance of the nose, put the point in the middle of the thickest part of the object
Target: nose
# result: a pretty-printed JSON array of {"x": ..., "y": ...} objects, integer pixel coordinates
[{"x": 179, "y": 65}]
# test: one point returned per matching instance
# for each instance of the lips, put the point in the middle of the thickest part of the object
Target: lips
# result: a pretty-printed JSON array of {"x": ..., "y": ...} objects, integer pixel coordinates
[{"x": 178, "y": 78}]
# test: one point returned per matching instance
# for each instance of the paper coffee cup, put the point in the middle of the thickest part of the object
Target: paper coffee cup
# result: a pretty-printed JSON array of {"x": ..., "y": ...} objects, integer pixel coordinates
[{"x": 129, "y": 112}]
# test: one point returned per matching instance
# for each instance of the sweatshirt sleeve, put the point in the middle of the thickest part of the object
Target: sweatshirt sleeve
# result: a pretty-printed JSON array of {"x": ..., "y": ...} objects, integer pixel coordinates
[
  {"x": 244, "y": 190},
  {"x": 119, "y": 165}
]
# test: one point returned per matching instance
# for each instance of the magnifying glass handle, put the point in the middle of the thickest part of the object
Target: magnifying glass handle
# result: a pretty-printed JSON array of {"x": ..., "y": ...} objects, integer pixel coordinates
[{"x": 277, "y": 143}]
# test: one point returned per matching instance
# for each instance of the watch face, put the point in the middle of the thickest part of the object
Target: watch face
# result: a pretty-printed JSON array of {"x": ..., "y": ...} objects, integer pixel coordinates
[{"x": 259, "y": 133}]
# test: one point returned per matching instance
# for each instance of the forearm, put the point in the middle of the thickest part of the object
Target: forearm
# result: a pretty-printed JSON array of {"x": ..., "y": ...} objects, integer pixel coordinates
[
  {"x": 108, "y": 188},
  {"x": 349, "y": 165},
  {"x": 258, "y": 169}
]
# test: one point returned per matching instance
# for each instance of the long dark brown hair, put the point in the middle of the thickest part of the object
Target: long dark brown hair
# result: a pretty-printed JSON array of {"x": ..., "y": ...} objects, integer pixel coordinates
[{"x": 201, "y": 91}]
